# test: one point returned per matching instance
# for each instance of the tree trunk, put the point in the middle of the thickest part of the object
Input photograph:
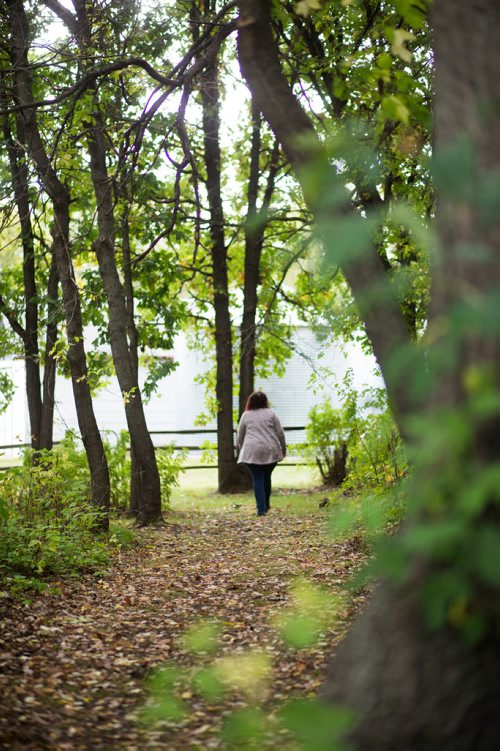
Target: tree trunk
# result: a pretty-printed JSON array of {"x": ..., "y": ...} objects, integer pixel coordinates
[
  {"x": 230, "y": 475},
  {"x": 143, "y": 451},
  {"x": 335, "y": 472},
  {"x": 254, "y": 239},
  {"x": 40, "y": 400},
  {"x": 253, "y": 249},
  {"x": 410, "y": 687},
  {"x": 98, "y": 465},
  {"x": 133, "y": 339},
  {"x": 228, "y": 469},
  {"x": 50, "y": 364},
  {"x": 19, "y": 176},
  {"x": 423, "y": 689},
  {"x": 59, "y": 195},
  {"x": 142, "y": 444}
]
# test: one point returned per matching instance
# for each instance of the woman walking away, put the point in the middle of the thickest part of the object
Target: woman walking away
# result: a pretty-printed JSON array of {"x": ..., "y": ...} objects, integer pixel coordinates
[{"x": 261, "y": 444}]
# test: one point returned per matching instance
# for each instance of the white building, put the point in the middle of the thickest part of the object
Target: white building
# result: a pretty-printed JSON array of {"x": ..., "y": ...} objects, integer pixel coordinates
[{"x": 179, "y": 399}]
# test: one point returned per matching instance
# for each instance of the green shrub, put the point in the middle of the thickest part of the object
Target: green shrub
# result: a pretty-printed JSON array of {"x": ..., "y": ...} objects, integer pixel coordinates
[
  {"x": 378, "y": 457},
  {"x": 329, "y": 437},
  {"x": 357, "y": 451},
  {"x": 118, "y": 456},
  {"x": 47, "y": 519},
  {"x": 170, "y": 462}
]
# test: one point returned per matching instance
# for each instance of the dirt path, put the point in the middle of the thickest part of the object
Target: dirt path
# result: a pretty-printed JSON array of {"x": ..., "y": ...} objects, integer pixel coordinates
[{"x": 73, "y": 665}]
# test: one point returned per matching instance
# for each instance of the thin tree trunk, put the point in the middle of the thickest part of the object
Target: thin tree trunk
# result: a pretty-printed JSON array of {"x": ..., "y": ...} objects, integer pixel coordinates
[
  {"x": 40, "y": 401},
  {"x": 59, "y": 195},
  {"x": 253, "y": 249},
  {"x": 135, "y": 468},
  {"x": 209, "y": 87},
  {"x": 19, "y": 176},
  {"x": 254, "y": 239},
  {"x": 143, "y": 450},
  {"x": 229, "y": 472},
  {"x": 50, "y": 363}
]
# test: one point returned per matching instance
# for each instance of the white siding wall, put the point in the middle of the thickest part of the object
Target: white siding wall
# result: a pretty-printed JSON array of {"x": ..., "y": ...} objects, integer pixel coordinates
[
  {"x": 14, "y": 424},
  {"x": 180, "y": 399}
]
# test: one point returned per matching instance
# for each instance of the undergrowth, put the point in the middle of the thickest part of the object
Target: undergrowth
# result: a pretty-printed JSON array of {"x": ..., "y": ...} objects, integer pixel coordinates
[{"x": 47, "y": 520}]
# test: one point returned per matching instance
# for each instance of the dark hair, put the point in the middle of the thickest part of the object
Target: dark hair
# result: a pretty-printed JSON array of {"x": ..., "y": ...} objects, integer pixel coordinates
[{"x": 257, "y": 400}]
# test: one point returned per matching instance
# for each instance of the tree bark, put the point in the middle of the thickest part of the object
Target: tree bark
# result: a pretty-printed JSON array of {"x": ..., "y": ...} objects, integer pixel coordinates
[
  {"x": 411, "y": 688},
  {"x": 142, "y": 445},
  {"x": 133, "y": 339},
  {"x": 19, "y": 177},
  {"x": 50, "y": 364},
  {"x": 40, "y": 398},
  {"x": 60, "y": 197},
  {"x": 253, "y": 250},
  {"x": 424, "y": 689},
  {"x": 227, "y": 467},
  {"x": 254, "y": 240},
  {"x": 231, "y": 478}
]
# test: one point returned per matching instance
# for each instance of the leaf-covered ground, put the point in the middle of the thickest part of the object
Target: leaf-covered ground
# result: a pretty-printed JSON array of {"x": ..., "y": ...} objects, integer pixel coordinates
[{"x": 73, "y": 664}]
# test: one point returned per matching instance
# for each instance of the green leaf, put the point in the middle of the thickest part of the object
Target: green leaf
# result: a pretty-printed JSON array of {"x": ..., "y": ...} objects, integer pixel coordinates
[
  {"x": 398, "y": 39},
  {"x": 384, "y": 61},
  {"x": 414, "y": 12},
  {"x": 486, "y": 554},
  {"x": 207, "y": 684},
  {"x": 318, "y": 726},
  {"x": 202, "y": 638},
  {"x": 245, "y": 729},
  {"x": 394, "y": 108},
  {"x": 300, "y": 631}
]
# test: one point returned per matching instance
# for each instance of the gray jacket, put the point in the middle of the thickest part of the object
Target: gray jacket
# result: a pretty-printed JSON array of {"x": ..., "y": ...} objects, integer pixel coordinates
[{"x": 261, "y": 439}]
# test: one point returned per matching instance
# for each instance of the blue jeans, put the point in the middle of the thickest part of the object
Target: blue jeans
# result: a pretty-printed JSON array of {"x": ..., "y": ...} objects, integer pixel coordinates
[{"x": 261, "y": 476}]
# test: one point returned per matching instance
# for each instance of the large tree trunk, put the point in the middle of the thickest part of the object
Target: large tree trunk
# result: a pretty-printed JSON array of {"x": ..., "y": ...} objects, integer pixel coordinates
[
  {"x": 423, "y": 689},
  {"x": 411, "y": 688},
  {"x": 59, "y": 195},
  {"x": 149, "y": 510}
]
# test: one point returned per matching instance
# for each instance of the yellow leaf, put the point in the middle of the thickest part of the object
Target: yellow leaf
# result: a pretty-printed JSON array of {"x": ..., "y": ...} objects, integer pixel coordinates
[
  {"x": 399, "y": 39},
  {"x": 304, "y": 7}
]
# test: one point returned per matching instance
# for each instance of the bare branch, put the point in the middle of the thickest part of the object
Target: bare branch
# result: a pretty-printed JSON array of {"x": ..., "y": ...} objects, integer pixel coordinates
[
  {"x": 13, "y": 322},
  {"x": 64, "y": 14}
]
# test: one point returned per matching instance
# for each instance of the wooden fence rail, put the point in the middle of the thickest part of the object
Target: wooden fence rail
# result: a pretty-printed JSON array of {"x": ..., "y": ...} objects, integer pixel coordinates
[{"x": 184, "y": 431}]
